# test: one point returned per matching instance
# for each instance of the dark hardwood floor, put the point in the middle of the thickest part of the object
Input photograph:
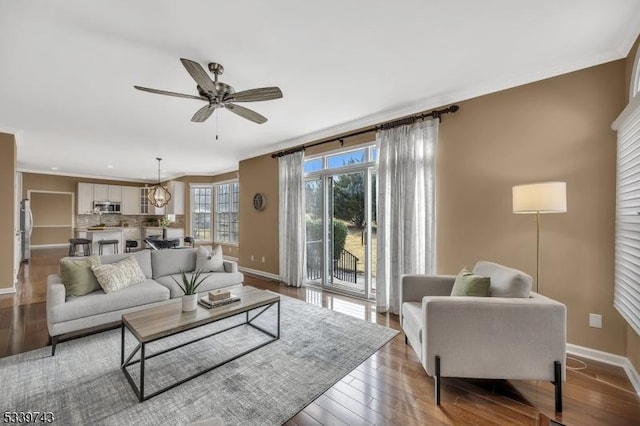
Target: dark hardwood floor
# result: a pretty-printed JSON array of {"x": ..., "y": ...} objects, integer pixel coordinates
[{"x": 389, "y": 388}]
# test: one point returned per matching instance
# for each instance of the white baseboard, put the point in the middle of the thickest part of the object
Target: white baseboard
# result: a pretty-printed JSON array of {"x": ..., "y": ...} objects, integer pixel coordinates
[
  {"x": 608, "y": 358},
  {"x": 269, "y": 275},
  {"x": 9, "y": 290}
]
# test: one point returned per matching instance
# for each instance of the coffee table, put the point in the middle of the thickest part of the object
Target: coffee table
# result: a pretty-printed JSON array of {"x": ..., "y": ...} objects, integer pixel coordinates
[{"x": 150, "y": 325}]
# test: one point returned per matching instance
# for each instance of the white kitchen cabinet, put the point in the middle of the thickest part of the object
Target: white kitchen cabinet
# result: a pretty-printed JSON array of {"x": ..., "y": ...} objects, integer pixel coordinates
[
  {"x": 100, "y": 192},
  {"x": 176, "y": 203},
  {"x": 114, "y": 193},
  {"x": 130, "y": 200},
  {"x": 103, "y": 192},
  {"x": 85, "y": 198}
]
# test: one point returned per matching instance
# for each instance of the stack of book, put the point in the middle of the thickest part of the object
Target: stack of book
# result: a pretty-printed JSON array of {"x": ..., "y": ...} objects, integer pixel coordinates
[{"x": 218, "y": 298}]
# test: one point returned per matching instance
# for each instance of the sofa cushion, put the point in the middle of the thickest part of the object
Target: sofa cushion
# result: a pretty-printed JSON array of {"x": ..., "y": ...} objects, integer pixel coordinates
[
  {"x": 143, "y": 257},
  {"x": 98, "y": 302},
  {"x": 209, "y": 259},
  {"x": 469, "y": 284},
  {"x": 77, "y": 276},
  {"x": 412, "y": 318},
  {"x": 213, "y": 281},
  {"x": 505, "y": 281},
  {"x": 116, "y": 276},
  {"x": 170, "y": 262}
]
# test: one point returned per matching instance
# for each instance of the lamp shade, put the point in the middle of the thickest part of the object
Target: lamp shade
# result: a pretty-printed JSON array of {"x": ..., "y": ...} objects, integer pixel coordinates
[{"x": 544, "y": 197}]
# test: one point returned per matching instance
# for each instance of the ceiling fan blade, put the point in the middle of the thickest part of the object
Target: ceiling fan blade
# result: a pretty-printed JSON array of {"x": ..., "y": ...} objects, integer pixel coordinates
[
  {"x": 203, "y": 113},
  {"x": 164, "y": 92},
  {"x": 246, "y": 113},
  {"x": 254, "y": 95},
  {"x": 199, "y": 75}
]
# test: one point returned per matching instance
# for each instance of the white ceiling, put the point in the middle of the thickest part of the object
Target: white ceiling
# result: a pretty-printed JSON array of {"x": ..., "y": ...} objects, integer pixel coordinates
[{"x": 67, "y": 70}]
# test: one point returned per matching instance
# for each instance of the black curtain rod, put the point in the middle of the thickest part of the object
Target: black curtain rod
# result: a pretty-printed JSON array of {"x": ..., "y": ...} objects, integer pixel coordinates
[{"x": 384, "y": 126}]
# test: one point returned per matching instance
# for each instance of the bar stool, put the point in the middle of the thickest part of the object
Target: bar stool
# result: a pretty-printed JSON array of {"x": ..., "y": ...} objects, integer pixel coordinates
[
  {"x": 75, "y": 242},
  {"x": 129, "y": 244},
  {"x": 102, "y": 243}
]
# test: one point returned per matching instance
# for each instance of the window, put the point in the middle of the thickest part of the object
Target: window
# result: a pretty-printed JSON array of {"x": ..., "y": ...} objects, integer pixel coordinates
[
  {"x": 226, "y": 213},
  {"x": 626, "y": 297},
  {"x": 201, "y": 196},
  {"x": 365, "y": 156}
]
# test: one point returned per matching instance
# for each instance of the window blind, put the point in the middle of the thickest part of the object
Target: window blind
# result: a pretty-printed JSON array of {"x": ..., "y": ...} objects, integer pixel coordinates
[{"x": 627, "y": 245}]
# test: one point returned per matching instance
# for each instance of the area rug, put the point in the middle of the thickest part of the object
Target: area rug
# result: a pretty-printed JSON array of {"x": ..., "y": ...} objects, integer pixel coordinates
[{"x": 83, "y": 383}]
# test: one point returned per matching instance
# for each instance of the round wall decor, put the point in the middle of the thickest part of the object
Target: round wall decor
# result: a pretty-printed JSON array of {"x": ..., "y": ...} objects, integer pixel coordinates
[{"x": 259, "y": 201}]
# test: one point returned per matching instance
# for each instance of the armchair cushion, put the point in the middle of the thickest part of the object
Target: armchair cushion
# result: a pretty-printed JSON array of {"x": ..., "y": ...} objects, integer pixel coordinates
[
  {"x": 505, "y": 281},
  {"x": 469, "y": 284}
]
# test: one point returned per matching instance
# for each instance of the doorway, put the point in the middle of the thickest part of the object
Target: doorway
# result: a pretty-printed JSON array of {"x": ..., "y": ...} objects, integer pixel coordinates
[{"x": 341, "y": 223}]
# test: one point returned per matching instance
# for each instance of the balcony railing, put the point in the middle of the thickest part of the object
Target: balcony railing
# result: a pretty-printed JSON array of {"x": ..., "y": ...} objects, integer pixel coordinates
[{"x": 344, "y": 268}]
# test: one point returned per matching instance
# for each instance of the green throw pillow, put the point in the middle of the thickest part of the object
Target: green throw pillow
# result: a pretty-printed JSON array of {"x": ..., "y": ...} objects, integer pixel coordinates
[
  {"x": 468, "y": 284},
  {"x": 77, "y": 276}
]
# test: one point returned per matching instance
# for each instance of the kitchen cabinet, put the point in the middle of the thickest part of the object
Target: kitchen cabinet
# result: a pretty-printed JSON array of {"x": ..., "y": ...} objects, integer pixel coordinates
[
  {"x": 176, "y": 203},
  {"x": 100, "y": 192},
  {"x": 114, "y": 192},
  {"x": 85, "y": 198},
  {"x": 130, "y": 200},
  {"x": 103, "y": 192}
]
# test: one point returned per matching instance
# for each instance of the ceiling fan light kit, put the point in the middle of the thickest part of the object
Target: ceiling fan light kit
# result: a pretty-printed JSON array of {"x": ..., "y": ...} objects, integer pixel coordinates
[
  {"x": 158, "y": 195},
  {"x": 219, "y": 95}
]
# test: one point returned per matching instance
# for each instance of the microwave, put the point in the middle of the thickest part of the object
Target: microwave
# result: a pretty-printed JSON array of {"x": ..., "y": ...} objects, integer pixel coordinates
[{"x": 107, "y": 207}]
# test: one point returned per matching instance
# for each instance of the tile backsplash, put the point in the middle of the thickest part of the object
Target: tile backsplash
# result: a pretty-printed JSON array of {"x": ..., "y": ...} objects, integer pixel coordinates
[{"x": 134, "y": 221}]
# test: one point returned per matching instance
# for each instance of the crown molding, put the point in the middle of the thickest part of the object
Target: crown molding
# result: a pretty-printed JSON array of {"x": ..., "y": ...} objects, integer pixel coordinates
[{"x": 86, "y": 176}]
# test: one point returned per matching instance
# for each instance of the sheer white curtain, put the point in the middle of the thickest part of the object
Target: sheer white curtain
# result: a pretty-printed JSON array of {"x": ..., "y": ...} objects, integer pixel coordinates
[
  {"x": 291, "y": 220},
  {"x": 406, "y": 207}
]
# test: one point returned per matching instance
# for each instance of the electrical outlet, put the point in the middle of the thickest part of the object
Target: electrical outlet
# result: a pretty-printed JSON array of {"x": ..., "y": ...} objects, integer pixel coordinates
[
  {"x": 262, "y": 259},
  {"x": 252, "y": 258},
  {"x": 595, "y": 320}
]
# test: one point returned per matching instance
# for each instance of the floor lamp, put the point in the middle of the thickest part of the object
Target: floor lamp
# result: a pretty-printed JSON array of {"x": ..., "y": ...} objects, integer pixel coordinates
[{"x": 539, "y": 198}]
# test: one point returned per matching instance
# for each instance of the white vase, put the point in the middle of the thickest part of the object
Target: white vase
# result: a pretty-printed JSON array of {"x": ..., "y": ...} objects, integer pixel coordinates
[{"x": 189, "y": 302}]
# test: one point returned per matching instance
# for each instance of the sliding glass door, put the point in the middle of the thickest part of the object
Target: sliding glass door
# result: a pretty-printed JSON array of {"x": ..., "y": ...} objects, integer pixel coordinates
[{"x": 340, "y": 224}]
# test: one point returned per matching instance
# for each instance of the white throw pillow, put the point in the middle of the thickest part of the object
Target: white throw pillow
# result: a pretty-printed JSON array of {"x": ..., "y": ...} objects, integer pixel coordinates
[
  {"x": 116, "y": 276},
  {"x": 209, "y": 260}
]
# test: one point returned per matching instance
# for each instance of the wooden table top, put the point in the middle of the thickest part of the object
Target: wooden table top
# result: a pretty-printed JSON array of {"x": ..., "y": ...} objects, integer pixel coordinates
[{"x": 161, "y": 321}]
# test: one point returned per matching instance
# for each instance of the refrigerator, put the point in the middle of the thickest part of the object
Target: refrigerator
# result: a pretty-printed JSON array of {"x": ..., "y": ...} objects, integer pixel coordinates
[{"x": 26, "y": 226}]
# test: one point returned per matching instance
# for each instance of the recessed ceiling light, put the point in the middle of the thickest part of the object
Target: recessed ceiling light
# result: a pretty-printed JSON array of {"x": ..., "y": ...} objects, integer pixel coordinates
[
  {"x": 54, "y": 168},
  {"x": 109, "y": 166}
]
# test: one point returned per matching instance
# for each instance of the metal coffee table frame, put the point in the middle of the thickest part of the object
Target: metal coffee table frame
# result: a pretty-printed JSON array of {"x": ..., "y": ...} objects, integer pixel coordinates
[{"x": 139, "y": 390}]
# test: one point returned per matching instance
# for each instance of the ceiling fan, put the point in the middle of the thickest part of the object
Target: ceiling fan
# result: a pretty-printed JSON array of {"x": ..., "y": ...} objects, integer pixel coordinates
[{"x": 220, "y": 95}]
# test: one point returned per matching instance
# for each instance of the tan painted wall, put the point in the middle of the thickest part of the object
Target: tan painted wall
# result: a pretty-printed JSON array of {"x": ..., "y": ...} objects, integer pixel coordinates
[
  {"x": 259, "y": 230},
  {"x": 229, "y": 250},
  {"x": 556, "y": 129},
  {"x": 8, "y": 154},
  {"x": 633, "y": 339},
  {"x": 51, "y": 209}
]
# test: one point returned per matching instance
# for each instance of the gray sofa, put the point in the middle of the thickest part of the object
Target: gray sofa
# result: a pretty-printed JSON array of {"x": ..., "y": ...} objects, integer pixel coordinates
[
  {"x": 514, "y": 334},
  {"x": 66, "y": 315}
]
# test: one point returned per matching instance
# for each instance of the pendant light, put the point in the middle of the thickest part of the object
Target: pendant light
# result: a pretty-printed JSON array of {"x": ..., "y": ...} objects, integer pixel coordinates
[{"x": 158, "y": 194}]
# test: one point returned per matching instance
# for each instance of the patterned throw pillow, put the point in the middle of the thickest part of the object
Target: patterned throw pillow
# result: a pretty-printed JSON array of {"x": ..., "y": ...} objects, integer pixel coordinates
[
  {"x": 116, "y": 276},
  {"x": 209, "y": 260},
  {"x": 77, "y": 276}
]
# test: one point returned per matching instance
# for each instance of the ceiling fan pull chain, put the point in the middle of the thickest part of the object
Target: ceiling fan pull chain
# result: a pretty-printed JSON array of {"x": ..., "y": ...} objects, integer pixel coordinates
[{"x": 217, "y": 123}]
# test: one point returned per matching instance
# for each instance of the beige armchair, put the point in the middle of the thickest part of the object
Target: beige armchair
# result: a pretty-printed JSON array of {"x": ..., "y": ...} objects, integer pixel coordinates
[{"x": 514, "y": 334}]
